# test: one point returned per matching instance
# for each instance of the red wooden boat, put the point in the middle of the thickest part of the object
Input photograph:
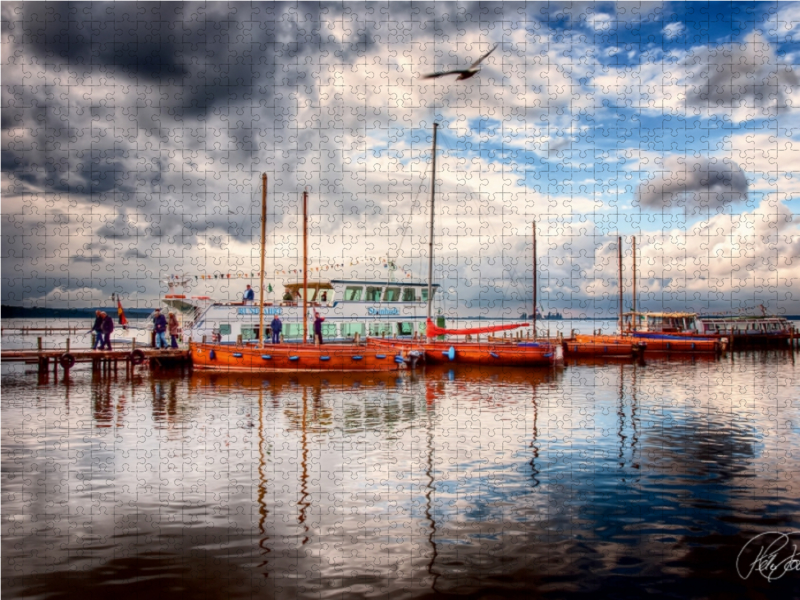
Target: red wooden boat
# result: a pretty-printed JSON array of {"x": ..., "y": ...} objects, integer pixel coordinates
[
  {"x": 603, "y": 345},
  {"x": 676, "y": 343},
  {"x": 527, "y": 354},
  {"x": 292, "y": 358}
]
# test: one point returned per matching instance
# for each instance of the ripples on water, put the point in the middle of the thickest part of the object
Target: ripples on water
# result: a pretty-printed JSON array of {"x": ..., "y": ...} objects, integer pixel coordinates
[{"x": 609, "y": 478}]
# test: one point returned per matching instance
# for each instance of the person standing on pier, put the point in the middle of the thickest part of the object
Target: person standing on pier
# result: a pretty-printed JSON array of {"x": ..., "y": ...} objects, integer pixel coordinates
[
  {"x": 108, "y": 329},
  {"x": 277, "y": 327},
  {"x": 174, "y": 329},
  {"x": 97, "y": 329},
  {"x": 160, "y": 327},
  {"x": 318, "y": 328}
]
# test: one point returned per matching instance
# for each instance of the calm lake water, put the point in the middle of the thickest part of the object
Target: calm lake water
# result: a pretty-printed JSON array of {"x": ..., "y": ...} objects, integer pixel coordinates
[{"x": 610, "y": 478}]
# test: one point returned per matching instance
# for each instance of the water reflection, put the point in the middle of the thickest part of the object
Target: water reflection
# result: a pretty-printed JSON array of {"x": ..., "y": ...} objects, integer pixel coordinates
[{"x": 601, "y": 477}]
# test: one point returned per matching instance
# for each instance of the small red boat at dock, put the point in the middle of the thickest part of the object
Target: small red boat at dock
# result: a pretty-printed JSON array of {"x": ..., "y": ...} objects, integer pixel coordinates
[
  {"x": 523, "y": 354},
  {"x": 293, "y": 358},
  {"x": 603, "y": 345}
]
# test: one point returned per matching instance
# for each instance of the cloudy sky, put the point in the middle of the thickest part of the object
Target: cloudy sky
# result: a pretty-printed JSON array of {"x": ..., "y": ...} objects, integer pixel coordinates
[{"x": 134, "y": 136}]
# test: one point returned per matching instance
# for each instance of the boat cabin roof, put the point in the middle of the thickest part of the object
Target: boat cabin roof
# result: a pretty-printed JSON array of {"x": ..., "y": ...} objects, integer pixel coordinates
[
  {"x": 316, "y": 285},
  {"x": 382, "y": 283},
  {"x": 743, "y": 318},
  {"x": 662, "y": 315}
]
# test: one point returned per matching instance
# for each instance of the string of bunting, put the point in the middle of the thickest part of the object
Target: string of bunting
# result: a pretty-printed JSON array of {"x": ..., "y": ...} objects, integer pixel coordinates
[{"x": 381, "y": 261}]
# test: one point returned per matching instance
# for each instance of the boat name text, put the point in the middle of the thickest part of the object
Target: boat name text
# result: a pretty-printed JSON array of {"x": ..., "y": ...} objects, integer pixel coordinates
[
  {"x": 254, "y": 311},
  {"x": 383, "y": 311}
]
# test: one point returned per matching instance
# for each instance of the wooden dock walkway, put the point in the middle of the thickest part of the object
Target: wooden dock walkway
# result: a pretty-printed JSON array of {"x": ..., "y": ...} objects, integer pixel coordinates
[{"x": 99, "y": 359}]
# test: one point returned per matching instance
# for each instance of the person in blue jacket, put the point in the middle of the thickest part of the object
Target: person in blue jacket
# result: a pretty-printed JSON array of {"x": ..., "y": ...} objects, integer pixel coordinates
[
  {"x": 276, "y": 327},
  {"x": 97, "y": 329},
  {"x": 160, "y": 327},
  {"x": 249, "y": 295}
]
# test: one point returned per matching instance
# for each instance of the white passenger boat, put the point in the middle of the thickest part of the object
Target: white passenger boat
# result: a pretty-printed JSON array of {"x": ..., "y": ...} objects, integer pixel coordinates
[{"x": 352, "y": 310}]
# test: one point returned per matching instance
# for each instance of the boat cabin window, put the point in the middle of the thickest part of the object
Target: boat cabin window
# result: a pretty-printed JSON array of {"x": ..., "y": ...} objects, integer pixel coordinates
[
  {"x": 350, "y": 329},
  {"x": 380, "y": 329},
  {"x": 424, "y": 294},
  {"x": 224, "y": 328},
  {"x": 405, "y": 329},
  {"x": 328, "y": 331},
  {"x": 391, "y": 294},
  {"x": 353, "y": 293},
  {"x": 293, "y": 330},
  {"x": 409, "y": 295},
  {"x": 249, "y": 333},
  {"x": 374, "y": 294}
]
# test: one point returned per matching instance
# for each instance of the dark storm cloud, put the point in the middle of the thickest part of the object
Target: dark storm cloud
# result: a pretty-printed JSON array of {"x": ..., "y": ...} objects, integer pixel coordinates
[
  {"x": 139, "y": 38},
  {"x": 746, "y": 74},
  {"x": 210, "y": 54},
  {"x": 10, "y": 161},
  {"x": 694, "y": 182}
]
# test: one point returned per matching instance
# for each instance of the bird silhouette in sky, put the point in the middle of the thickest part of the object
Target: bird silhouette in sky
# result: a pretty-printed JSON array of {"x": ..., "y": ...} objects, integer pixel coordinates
[{"x": 463, "y": 73}]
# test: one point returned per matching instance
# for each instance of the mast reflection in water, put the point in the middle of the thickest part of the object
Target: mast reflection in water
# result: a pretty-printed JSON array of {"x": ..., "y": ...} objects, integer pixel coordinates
[{"x": 603, "y": 477}]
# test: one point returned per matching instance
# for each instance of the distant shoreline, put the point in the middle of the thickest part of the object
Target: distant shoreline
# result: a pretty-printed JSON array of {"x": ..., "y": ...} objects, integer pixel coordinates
[{"x": 23, "y": 312}]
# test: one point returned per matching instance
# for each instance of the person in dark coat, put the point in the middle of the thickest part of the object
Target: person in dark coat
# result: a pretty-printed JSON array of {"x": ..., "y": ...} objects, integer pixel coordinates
[
  {"x": 97, "y": 329},
  {"x": 276, "y": 327},
  {"x": 249, "y": 295},
  {"x": 160, "y": 327},
  {"x": 318, "y": 328},
  {"x": 108, "y": 329},
  {"x": 174, "y": 329}
]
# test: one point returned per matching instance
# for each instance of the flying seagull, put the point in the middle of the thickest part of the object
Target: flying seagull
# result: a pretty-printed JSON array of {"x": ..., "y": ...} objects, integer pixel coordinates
[{"x": 464, "y": 73}]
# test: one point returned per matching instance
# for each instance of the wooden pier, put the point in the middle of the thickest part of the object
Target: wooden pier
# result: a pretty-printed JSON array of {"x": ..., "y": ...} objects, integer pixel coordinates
[
  {"x": 101, "y": 360},
  {"x": 41, "y": 330}
]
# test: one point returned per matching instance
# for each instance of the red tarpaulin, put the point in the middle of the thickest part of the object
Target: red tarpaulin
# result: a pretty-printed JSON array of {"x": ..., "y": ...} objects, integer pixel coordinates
[
  {"x": 121, "y": 314},
  {"x": 432, "y": 330}
]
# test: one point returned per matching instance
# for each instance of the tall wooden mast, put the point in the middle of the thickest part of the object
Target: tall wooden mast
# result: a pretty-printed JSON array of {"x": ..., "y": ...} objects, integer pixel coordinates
[
  {"x": 619, "y": 263},
  {"x": 263, "y": 254},
  {"x": 305, "y": 266},
  {"x": 634, "y": 319},
  {"x": 430, "y": 236},
  {"x": 535, "y": 280}
]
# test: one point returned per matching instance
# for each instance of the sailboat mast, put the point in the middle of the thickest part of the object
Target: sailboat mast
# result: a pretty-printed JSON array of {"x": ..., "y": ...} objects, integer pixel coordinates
[
  {"x": 430, "y": 233},
  {"x": 633, "y": 319},
  {"x": 305, "y": 266},
  {"x": 619, "y": 262},
  {"x": 535, "y": 280},
  {"x": 263, "y": 254}
]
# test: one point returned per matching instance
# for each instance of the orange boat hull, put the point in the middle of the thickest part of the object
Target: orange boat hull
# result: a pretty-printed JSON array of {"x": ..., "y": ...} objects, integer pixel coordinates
[
  {"x": 676, "y": 344},
  {"x": 472, "y": 353},
  {"x": 602, "y": 345},
  {"x": 291, "y": 358}
]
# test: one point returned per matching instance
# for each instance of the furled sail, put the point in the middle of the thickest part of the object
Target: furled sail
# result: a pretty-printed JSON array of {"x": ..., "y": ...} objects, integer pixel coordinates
[{"x": 432, "y": 330}]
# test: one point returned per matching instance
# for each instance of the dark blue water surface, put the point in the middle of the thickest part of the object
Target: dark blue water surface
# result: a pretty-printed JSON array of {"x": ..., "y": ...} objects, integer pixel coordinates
[{"x": 609, "y": 478}]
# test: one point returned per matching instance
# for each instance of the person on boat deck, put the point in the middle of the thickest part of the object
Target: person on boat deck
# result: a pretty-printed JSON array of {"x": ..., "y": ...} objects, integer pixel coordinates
[
  {"x": 287, "y": 296},
  {"x": 249, "y": 295},
  {"x": 318, "y": 327},
  {"x": 108, "y": 329},
  {"x": 276, "y": 327},
  {"x": 174, "y": 329},
  {"x": 160, "y": 327},
  {"x": 97, "y": 329}
]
